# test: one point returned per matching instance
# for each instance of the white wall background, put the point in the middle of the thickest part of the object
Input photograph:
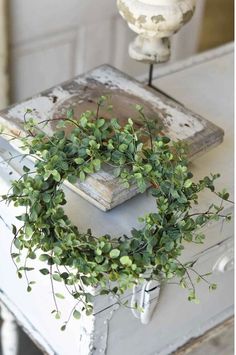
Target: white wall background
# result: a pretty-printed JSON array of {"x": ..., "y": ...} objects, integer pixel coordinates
[
  {"x": 54, "y": 40},
  {"x": 3, "y": 55}
]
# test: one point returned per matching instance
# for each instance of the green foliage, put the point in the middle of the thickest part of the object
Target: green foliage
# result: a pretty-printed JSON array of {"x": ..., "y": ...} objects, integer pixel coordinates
[{"x": 80, "y": 259}]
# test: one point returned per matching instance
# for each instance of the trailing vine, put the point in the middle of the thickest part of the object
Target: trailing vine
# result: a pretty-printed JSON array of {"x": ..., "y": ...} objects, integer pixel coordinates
[{"x": 80, "y": 258}]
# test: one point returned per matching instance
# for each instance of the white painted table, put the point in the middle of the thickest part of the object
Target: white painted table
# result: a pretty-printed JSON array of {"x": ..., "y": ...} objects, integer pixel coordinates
[{"x": 205, "y": 84}]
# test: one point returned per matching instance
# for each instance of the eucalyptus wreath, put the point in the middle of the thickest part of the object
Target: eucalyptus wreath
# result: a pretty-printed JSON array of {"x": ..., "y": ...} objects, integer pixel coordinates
[{"x": 80, "y": 258}]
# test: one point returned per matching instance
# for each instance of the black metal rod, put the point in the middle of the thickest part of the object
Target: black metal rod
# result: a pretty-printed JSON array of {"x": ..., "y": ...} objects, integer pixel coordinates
[
  {"x": 150, "y": 75},
  {"x": 156, "y": 88}
]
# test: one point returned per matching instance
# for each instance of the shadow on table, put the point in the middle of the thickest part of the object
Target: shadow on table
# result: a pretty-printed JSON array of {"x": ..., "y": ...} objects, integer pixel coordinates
[{"x": 26, "y": 346}]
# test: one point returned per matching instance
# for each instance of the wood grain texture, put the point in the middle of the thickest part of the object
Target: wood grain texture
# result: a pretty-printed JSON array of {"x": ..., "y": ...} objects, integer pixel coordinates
[{"x": 177, "y": 122}]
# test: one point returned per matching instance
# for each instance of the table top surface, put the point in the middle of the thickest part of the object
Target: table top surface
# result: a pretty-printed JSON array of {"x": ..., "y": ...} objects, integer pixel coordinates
[{"x": 205, "y": 86}]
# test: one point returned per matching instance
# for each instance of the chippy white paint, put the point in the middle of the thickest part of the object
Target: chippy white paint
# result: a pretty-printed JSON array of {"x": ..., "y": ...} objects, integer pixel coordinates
[
  {"x": 155, "y": 21},
  {"x": 101, "y": 333},
  {"x": 181, "y": 125},
  {"x": 41, "y": 106}
]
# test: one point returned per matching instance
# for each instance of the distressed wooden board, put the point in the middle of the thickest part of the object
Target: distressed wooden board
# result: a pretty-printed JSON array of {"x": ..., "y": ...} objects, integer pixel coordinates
[
  {"x": 218, "y": 340},
  {"x": 103, "y": 189}
]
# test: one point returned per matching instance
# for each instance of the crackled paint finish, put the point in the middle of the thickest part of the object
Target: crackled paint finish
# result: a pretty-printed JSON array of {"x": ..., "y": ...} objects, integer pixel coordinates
[
  {"x": 187, "y": 16},
  {"x": 154, "y": 21},
  {"x": 157, "y": 19}
]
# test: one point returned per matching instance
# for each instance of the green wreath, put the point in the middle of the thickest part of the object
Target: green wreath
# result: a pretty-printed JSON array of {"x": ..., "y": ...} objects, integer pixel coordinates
[{"x": 82, "y": 259}]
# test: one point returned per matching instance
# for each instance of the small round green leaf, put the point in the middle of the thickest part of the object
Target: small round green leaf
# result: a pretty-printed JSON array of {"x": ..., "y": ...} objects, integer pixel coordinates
[
  {"x": 76, "y": 314},
  {"x": 125, "y": 260},
  {"x": 114, "y": 253},
  {"x": 44, "y": 271}
]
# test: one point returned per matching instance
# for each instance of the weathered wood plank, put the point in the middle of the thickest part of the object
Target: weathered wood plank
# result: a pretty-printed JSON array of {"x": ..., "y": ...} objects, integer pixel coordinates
[
  {"x": 103, "y": 189},
  {"x": 218, "y": 340}
]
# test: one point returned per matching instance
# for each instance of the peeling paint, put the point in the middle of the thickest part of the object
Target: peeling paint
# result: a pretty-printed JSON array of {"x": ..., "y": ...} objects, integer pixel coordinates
[
  {"x": 101, "y": 334},
  {"x": 41, "y": 105},
  {"x": 142, "y": 19},
  {"x": 168, "y": 109},
  {"x": 157, "y": 19},
  {"x": 126, "y": 13},
  {"x": 187, "y": 16},
  {"x": 86, "y": 330}
]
